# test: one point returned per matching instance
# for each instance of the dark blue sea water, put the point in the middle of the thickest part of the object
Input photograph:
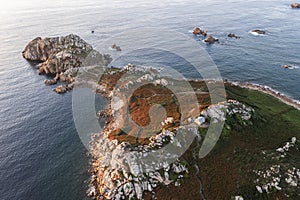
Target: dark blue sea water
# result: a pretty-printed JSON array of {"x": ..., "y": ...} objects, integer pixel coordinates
[{"x": 41, "y": 156}]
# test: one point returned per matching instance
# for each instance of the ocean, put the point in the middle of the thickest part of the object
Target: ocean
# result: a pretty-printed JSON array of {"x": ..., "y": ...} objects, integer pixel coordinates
[{"x": 41, "y": 155}]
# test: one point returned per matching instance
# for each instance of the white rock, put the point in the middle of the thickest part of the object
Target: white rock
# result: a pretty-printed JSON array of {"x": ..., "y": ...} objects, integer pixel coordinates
[
  {"x": 169, "y": 120},
  {"x": 238, "y": 198},
  {"x": 294, "y": 139},
  {"x": 259, "y": 189},
  {"x": 200, "y": 120},
  {"x": 92, "y": 191}
]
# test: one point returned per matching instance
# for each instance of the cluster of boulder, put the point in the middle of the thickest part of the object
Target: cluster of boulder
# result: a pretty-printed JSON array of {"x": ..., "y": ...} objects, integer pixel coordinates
[
  {"x": 209, "y": 40},
  {"x": 218, "y": 112}
]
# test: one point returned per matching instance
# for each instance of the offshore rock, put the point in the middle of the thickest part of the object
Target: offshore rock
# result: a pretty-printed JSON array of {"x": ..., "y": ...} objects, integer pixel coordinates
[
  {"x": 57, "y": 47},
  {"x": 210, "y": 40},
  {"x": 116, "y": 47},
  {"x": 62, "y": 56},
  {"x": 260, "y": 32},
  {"x": 231, "y": 35},
  {"x": 198, "y": 31}
]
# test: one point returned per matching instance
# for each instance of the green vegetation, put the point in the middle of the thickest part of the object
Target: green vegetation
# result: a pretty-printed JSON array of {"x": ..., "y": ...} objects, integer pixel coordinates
[{"x": 242, "y": 148}]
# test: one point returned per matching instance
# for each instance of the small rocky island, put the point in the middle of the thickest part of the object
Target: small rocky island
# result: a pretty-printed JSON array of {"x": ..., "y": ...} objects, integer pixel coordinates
[
  {"x": 251, "y": 160},
  {"x": 59, "y": 57}
]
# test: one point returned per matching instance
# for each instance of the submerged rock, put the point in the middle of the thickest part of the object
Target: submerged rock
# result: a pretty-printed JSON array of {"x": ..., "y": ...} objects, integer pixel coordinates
[
  {"x": 295, "y": 5},
  {"x": 210, "y": 40},
  {"x": 231, "y": 35}
]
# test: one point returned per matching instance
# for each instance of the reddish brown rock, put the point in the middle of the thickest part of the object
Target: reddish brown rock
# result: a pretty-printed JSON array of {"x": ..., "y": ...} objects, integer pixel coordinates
[
  {"x": 210, "y": 40},
  {"x": 50, "y": 82},
  {"x": 198, "y": 31}
]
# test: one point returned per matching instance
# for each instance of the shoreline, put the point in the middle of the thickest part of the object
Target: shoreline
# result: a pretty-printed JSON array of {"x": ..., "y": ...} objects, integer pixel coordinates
[
  {"x": 268, "y": 90},
  {"x": 261, "y": 88}
]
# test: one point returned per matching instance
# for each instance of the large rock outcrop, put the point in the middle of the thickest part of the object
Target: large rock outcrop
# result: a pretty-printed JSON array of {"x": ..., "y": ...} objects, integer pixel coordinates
[
  {"x": 57, "y": 47},
  {"x": 61, "y": 56}
]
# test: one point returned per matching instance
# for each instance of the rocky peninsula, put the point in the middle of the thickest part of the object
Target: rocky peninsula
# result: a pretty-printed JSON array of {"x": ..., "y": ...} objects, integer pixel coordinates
[{"x": 257, "y": 124}]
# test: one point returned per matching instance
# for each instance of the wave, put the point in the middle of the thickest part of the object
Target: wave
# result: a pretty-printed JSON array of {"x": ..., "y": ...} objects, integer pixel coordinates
[{"x": 256, "y": 34}]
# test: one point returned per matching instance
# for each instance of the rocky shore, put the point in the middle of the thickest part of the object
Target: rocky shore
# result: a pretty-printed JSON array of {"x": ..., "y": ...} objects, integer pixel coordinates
[
  {"x": 118, "y": 167},
  {"x": 136, "y": 127}
]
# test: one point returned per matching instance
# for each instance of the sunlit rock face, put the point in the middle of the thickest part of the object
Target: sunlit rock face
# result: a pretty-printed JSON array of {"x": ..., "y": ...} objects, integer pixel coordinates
[{"x": 58, "y": 53}]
